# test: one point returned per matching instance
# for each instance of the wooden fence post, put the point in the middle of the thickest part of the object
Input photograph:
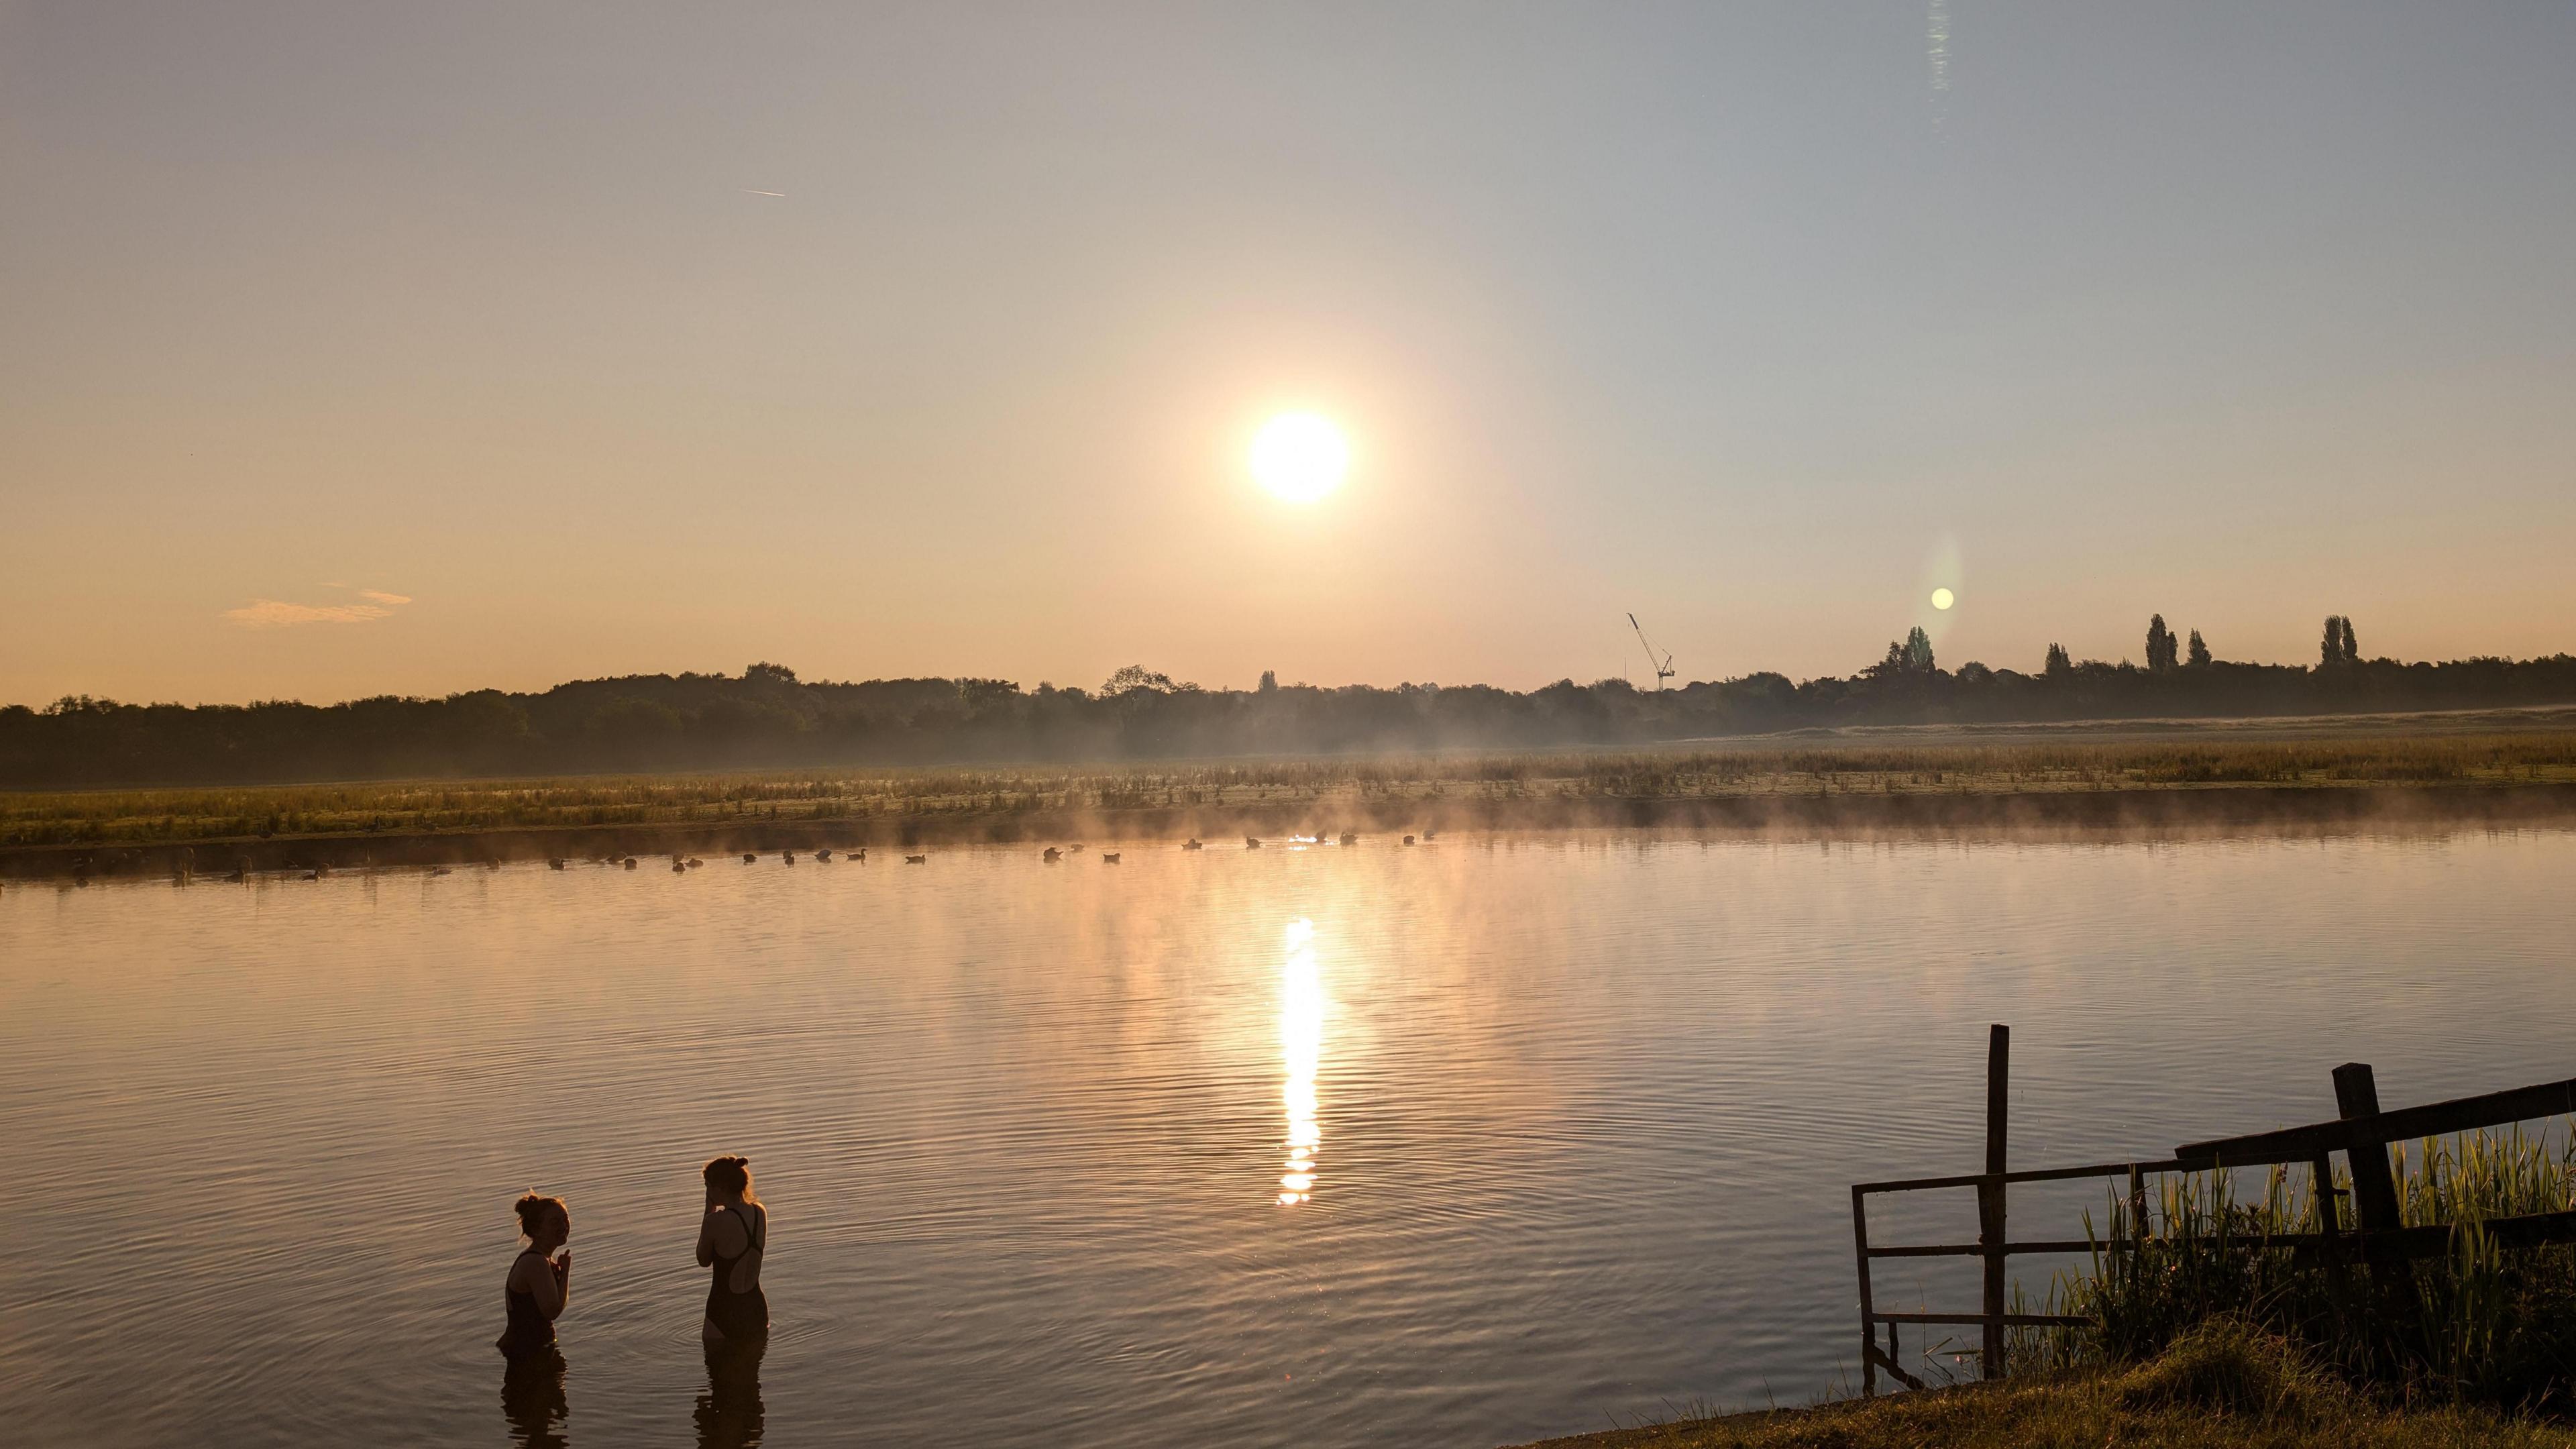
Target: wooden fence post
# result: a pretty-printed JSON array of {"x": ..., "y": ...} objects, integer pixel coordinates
[
  {"x": 1990, "y": 1195},
  {"x": 2374, "y": 1188},
  {"x": 1868, "y": 1330}
]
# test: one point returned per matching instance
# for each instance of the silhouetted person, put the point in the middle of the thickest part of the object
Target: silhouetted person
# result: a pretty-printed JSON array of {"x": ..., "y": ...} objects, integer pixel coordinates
[
  {"x": 729, "y": 1412},
  {"x": 731, "y": 1239},
  {"x": 539, "y": 1283}
]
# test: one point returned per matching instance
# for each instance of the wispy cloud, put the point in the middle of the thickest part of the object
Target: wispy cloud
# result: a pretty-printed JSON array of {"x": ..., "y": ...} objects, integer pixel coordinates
[
  {"x": 279, "y": 613},
  {"x": 756, "y": 191}
]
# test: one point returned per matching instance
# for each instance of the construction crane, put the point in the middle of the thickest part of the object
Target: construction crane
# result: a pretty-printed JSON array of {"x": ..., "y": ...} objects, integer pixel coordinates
[{"x": 1664, "y": 665}]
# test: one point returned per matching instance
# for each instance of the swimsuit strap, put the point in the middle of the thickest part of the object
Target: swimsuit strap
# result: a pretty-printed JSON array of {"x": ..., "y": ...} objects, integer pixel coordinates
[{"x": 750, "y": 1238}]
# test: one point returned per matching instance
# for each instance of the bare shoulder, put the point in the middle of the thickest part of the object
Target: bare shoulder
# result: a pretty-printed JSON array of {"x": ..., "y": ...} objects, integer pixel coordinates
[{"x": 729, "y": 1230}]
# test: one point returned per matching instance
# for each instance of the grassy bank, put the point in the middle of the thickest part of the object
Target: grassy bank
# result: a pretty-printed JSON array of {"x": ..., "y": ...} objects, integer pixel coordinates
[
  {"x": 1381, "y": 792},
  {"x": 2223, "y": 1387},
  {"x": 2212, "y": 1334}
]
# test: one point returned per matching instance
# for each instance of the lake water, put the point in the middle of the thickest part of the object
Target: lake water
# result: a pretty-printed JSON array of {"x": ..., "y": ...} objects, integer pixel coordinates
[{"x": 1577, "y": 1112}]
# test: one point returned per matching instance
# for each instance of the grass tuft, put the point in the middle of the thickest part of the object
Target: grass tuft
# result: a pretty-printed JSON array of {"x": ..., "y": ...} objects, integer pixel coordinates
[{"x": 2229, "y": 1366}]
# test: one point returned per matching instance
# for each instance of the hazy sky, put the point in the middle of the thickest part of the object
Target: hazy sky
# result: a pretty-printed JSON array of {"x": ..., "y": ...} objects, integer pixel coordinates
[{"x": 358, "y": 348}]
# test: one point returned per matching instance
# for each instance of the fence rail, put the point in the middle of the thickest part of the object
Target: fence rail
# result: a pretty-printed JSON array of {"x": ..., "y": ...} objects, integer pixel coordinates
[{"x": 2380, "y": 1239}]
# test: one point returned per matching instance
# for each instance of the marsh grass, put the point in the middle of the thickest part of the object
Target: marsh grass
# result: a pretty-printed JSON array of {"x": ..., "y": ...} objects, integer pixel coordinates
[
  {"x": 2481, "y": 1325},
  {"x": 178, "y": 814}
]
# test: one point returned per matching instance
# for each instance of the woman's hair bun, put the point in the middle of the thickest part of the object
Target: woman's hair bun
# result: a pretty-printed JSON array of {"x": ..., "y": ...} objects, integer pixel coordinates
[
  {"x": 731, "y": 1174},
  {"x": 532, "y": 1210}
]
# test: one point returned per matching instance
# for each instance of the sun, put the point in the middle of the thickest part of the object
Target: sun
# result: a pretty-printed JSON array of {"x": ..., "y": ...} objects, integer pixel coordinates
[
  {"x": 1943, "y": 598},
  {"x": 1299, "y": 456}
]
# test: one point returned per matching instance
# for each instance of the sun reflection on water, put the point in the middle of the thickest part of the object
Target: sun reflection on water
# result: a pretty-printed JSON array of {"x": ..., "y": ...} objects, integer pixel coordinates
[{"x": 1301, "y": 1043}]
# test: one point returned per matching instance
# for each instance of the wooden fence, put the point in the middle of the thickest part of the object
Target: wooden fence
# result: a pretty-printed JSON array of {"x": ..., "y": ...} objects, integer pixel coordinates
[{"x": 2380, "y": 1240}]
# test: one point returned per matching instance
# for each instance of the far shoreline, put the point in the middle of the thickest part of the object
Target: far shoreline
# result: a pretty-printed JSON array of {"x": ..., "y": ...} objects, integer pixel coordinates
[{"x": 2106, "y": 814}]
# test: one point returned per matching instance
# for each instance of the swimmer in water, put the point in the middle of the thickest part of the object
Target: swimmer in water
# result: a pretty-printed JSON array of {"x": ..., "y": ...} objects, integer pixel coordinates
[
  {"x": 732, "y": 1238},
  {"x": 540, "y": 1281}
]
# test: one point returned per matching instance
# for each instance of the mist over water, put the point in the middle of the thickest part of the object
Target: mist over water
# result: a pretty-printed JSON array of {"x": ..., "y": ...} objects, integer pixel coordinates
[{"x": 1465, "y": 1143}]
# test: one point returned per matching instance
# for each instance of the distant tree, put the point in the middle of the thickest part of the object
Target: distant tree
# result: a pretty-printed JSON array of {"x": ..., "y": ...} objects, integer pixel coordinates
[
  {"x": 2330, "y": 652},
  {"x": 1892, "y": 665},
  {"x": 1918, "y": 651},
  {"x": 1973, "y": 672},
  {"x": 1270, "y": 681},
  {"x": 1135, "y": 677},
  {"x": 2058, "y": 661},
  {"x": 2199, "y": 657},
  {"x": 2160, "y": 645},
  {"x": 2351, "y": 650},
  {"x": 767, "y": 673}
]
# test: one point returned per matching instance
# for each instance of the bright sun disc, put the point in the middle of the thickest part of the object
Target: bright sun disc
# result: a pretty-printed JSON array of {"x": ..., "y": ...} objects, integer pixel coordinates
[
  {"x": 1943, "y": 598},
  {"x": 1299, "y": 456}
]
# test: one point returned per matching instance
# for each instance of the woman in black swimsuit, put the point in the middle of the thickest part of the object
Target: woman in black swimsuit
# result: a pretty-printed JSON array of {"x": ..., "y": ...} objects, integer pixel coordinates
[
  {"x": 731, "y": 1240},
  {"x": 540, "y": 1283}
]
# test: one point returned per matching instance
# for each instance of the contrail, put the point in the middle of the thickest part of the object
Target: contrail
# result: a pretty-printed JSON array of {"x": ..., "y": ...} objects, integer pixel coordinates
[
  {"x": 756, "y": 191},
  {"x": 1936, "y": 40}
]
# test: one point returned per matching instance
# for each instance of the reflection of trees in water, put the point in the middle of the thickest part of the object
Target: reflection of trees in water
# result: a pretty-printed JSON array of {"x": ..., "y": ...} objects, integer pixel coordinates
[
  {"x": 532, "y": 1400},
  {"x": 728, "y": 1413}
]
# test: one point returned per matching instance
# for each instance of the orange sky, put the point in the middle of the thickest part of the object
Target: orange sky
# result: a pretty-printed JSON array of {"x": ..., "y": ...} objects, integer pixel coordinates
[{"x": 1754, "y": 321}]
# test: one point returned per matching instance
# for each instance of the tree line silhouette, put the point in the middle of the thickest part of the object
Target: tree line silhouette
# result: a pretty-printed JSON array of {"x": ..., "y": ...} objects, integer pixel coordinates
[{"x": 766, "y": 717}]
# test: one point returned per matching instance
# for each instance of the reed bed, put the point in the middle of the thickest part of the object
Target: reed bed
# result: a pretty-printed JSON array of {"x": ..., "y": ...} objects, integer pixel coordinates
[
  {"x": 2480, "y": 1326},
  {"x": 181, "y": 814}
]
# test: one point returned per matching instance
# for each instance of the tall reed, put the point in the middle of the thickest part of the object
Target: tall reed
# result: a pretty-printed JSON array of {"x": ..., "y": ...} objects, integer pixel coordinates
[{"x": 2479, "y": 1325}]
